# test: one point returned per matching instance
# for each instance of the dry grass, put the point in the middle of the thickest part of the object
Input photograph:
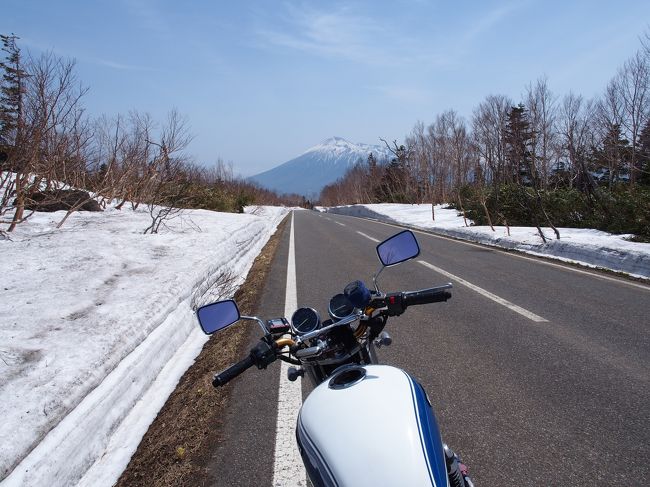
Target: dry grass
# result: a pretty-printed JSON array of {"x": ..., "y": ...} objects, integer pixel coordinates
[{"x": 176, "y": 448}]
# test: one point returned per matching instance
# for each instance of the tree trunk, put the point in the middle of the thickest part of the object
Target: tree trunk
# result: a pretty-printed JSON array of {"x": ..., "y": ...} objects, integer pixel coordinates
[
  {"x": 121, "y": 204},
  {"x": 546, "y": 217},
  {"x": 460, "y": 203},
  {"x": 19, "y": 203},
  {"x": 487, "y": 215}
]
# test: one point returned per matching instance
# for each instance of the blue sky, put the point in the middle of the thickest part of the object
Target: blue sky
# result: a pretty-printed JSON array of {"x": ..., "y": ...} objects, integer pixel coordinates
[{"x": 262, "y": 81}]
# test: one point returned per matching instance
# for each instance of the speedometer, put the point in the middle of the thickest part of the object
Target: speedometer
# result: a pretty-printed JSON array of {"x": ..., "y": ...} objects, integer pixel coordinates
[{"x": 305, "y": 320}]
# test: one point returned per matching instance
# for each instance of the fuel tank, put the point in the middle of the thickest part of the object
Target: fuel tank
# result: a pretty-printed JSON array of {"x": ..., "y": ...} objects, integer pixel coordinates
[{"x": 370, "y": 425}]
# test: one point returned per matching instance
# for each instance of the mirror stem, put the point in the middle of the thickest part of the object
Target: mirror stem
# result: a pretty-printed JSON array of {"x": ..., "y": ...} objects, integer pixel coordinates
[
  {"x": 258, "y": 320},
  {"x": 374, "y": 278}
]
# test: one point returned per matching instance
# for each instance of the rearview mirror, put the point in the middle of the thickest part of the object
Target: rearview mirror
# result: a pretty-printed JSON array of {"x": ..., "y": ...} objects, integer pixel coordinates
[
  {"x": 217, "y": 316},
  {"x": 398, "y": 248}
]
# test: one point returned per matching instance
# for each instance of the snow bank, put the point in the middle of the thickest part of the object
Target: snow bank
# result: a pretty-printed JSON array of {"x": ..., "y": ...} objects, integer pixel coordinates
[
  {"x": 98, "y": 326},
  {"x": 592, "y": 248}
]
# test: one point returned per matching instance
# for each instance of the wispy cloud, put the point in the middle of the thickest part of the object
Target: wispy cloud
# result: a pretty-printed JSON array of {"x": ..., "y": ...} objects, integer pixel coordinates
[
  {"x": 488, "y": 21},
  {"x": 337, "y": 33},
  {"x": 406, "y": 94},
  {"x": 39, "y": 47},
  {"x": 117, "y": 66},
  {"x": 377, "y": 41}
]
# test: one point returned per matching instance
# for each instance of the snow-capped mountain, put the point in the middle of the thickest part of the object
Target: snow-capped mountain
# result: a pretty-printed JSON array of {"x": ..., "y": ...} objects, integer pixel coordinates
[{"x": 317, "y": 167}]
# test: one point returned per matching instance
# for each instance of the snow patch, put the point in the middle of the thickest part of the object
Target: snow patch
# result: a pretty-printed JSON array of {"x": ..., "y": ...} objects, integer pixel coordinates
[
  {"x": 98, "y": 326},
  {"x": 592, "y": 248}
]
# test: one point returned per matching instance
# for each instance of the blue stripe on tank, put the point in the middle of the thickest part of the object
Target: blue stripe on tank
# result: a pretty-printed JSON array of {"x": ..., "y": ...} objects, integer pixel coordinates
[
  {"x": 420, "y": 432},
  {"x": 429, "y": 434},
  {"x": 315, "y": 457}
]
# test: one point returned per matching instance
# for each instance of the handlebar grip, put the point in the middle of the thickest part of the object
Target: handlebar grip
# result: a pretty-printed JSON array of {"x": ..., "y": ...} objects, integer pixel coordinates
[
  {"x": 233, "y": 371},
  {"x": 425, "y": 296}
]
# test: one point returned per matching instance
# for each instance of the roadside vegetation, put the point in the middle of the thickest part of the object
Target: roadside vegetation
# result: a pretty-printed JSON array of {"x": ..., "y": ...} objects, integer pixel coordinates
[
  {"x": 53, "y": 156},
  {"x": 545, "y": 161},
  {"x": 177, "y": 448}
]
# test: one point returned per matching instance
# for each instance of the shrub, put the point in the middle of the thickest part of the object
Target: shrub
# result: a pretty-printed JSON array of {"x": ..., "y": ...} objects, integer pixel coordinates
[{"x": 620, "y": 210}]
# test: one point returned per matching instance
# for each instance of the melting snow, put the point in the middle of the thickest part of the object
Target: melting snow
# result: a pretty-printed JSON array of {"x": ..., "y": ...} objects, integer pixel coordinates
[{"x": 98, "y": 322}]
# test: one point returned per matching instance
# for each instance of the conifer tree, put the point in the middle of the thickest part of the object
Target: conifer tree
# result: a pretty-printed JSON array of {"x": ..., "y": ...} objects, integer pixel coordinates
[
  {"x": 518, "y": 137},
  {"x": 644, "y": 155},
  {"x": 374, "y": 176},
  {"x": 613, "y": 155},
  {"x": 12, "y": 90}
]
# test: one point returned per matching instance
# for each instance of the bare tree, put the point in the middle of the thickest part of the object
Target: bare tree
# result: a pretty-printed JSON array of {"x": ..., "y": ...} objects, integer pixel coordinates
[
  {"x": 397, "y": 182},
  {"x": 166, "y": 181},
  {"x": 574, "y": 126},
  {"x": 54, "y": 132},
  {"x": 542, "y": 112},
  {"x": 609, "y": 115},
  {"x": 633, "y": 86},
  {"x": 421, "y": 160},
  {"x": 488, "y": 128}
]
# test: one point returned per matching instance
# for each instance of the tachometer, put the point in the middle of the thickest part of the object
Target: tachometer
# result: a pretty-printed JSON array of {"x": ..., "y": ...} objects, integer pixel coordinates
[
  {"x": 305, "y": 320},
  {"x": 340, "y": 307}
]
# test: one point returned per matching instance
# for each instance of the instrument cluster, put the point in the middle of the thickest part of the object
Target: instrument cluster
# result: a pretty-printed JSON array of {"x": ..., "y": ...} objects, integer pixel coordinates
[{"x": 305, "y": 320}]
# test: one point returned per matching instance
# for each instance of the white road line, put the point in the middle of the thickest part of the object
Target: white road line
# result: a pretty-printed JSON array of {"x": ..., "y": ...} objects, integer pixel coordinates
[
  {"x": 339, "y": 223},
  {"x": 288, "y": 470},
  {"x": 580, "y": 271},
  {"x": 541, "y": 260},
  {"x": 368, "y": 237},
  {"x": 487, "y": 294}
]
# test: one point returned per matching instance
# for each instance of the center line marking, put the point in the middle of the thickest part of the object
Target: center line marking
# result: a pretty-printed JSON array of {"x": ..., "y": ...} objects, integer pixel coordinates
[
  {"x": 487, "y": 294},
  {"x": 288, "y": 470},
  {"x": 368, "y": 237},
  {"x": 339, "y": 223}
]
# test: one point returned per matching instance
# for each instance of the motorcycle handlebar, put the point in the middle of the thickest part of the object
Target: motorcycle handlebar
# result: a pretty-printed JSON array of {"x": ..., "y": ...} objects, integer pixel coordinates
[
  {"x": 262, "y": 354},
  {"x": 233, "y": 371},
  {"x": 396, "y": 303},
  {"x": 425, "y": 296},
  {"x": 265, "y": 352}
]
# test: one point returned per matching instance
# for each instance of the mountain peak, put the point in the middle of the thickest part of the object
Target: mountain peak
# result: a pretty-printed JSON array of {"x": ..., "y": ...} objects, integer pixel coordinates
[
  {"x": 333, "y": 143},
  {"x": 335, "y": 140},
  {"x": 318, "y": 166},
  {"x": 339, "y": 145}
]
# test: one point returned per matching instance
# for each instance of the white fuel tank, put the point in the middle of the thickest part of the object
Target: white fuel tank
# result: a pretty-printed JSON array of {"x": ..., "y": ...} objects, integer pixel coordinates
[{"x": 371, "y": 426}]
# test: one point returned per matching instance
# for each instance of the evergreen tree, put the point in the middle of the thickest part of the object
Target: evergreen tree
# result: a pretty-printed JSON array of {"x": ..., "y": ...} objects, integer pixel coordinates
[
  {"x": 12, "y": 90},
  {"x": 394, "y": 184},
  {"x": 611, "y": 159},
  {"x": 372, "y": 162},
  {"x": 644, "y": 155},
  {"x": 518, "y": 137},
  {"x": 374, "y": 176},
  {"x": 392, "y": 187}
]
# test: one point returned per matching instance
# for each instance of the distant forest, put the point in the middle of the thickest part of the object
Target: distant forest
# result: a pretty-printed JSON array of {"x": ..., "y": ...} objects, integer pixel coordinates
[
  {"x": 48, "y": 144},
  {"x": 546, "y": 161}
]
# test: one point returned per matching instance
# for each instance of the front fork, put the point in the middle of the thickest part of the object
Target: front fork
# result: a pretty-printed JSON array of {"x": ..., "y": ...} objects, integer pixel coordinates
[
  {"x": 456, "y": 470},
  {"x": 383, "y": 340}
]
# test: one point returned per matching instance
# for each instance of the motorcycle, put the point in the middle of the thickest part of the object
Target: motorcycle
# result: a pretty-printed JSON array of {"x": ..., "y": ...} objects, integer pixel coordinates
[{"x": 363, "y": 423}]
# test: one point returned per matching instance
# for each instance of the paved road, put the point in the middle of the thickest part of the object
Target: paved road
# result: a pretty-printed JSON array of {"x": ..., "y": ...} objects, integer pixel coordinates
[{"x": 539, "y": 374}]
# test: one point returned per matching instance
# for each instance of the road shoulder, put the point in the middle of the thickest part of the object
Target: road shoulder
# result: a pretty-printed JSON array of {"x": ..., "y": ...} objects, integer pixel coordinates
[{"x": 176, "y": 450}]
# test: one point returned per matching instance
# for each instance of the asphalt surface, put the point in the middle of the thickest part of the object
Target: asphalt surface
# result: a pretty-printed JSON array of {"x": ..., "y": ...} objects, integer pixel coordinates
[{"x": 559, "y": 402}]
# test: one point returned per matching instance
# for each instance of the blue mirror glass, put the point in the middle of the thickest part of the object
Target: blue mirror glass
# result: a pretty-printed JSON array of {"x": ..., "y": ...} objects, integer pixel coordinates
[
  {"x": 398, "y": 248},
  {"x": 217, "y": 316}
]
